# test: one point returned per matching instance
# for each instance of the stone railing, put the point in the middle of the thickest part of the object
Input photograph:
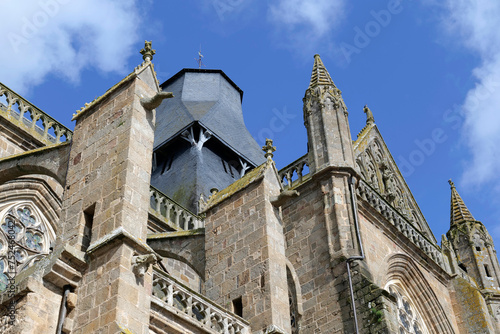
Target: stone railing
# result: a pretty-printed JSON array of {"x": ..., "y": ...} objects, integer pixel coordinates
[
  {"x": 293, "y": 173},
  {"x": 30, "y": 118},
  {"x": 177, "y": 298},
  {"x": 172, "y": 213},
  {"x": 400, "y": 222}
]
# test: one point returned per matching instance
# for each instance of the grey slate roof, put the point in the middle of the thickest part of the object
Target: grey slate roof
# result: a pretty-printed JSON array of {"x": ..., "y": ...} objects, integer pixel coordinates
[
  {"x": 192, "y": 173},
  {"x": 212, "y": 99}
]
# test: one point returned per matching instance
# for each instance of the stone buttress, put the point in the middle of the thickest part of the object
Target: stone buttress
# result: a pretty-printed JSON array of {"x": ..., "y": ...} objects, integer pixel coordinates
[
  {"x": 245, "y": 251},
  {"x": 105, "y": 205},
  {"x": 319, "y": 220},
  {"x": 331, "y": 157}
]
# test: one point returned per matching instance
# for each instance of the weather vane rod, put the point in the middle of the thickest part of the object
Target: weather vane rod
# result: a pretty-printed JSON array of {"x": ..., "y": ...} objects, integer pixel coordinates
[{"x": 200, "y": 59}]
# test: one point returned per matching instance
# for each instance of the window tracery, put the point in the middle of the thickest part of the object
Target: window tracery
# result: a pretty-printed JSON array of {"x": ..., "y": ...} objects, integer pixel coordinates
[
  {"x": 410, "y": 321},
  {"x": 24, "y": 239},
  {"x": 292, "y": 303}
]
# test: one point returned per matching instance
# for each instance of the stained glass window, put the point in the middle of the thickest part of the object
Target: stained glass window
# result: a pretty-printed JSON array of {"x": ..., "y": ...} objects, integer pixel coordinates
[
  {"x": 410, "y": 321},
  {"x": 24, "y": 240}
]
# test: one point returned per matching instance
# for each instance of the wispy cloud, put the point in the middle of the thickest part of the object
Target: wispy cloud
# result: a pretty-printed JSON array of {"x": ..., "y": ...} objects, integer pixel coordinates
[
  {"x": 476, "y": 23},
  {"x": 305, "y": 22},
  {"x": 63, "y": 37}
]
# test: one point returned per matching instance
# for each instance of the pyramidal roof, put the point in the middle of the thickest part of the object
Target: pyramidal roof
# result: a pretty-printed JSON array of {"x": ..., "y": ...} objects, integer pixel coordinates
[
  {"x": 320, "y": 75},
  {"x": 459, "y": 212}
]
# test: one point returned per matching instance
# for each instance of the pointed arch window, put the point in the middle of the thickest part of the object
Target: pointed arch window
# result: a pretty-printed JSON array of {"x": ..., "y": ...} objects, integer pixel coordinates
[
  {"x": 293, "y": 303},
  {"x": 25, "y": 238},
  {"x": 410, "y": 321}
]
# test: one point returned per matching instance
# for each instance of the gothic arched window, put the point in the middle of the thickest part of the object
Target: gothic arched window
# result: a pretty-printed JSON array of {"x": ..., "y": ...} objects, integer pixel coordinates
[
  {"x": 292, "y": 303},
  {"x": 25, "y": 238},
  {"x": 410, "y": 321}
]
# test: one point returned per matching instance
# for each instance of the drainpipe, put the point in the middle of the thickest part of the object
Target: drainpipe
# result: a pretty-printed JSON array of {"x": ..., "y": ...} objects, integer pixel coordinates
[
  {"x": 353, "y": 258},
  {"x": 63, "y": 309}
]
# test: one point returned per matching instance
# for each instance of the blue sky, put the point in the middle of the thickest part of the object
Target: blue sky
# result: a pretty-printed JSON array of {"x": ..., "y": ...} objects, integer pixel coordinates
[{"x": 429, "y": 70}]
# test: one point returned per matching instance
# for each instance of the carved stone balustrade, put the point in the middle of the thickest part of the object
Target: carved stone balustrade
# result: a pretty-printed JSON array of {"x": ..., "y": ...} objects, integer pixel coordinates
[
  {"x": 172, "y": 213},
  {"x": 176, "y": 298},
  {"x": 34, "y": 121},
  {"x": 294, "y": 172},
  {"x": 400, "y": 222}
]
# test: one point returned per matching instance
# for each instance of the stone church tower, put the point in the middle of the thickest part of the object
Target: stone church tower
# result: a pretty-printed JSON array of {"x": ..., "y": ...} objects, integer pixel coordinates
[{"x": 159, "y": 213}]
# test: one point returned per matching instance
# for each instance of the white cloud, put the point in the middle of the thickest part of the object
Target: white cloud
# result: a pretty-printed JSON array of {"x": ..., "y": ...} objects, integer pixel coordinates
[
  {"x": 320, "y": 15},
  {"x": 63, "y": 37},
  {"x": 476, "y": 23},
  {"x": 306, "y": 21}
]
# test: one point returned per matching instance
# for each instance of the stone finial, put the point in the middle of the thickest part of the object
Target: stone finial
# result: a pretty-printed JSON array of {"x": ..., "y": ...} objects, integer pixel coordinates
[
  {"x": 269, "y": 149},
  {"x": 148, "y": 52},
  {"x": 202, "y": 202},
  {"x": 369, "y": 115},
  {"x": 452, "y": 184}
]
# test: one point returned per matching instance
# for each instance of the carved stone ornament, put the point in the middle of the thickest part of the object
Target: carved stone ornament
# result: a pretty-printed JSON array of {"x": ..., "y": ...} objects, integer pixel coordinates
[
  {"x": 326, "y": 97},
  {"x": 388, "y": 179},
  {"x": 269, "y": 149},
  {"x": 273, "y": 329},
  {"x": 148, "y": 52},
  {"x": 155, "y": 101},
  {"x": 497, "y": 314},
  {"x": 369, "y": 115},
  {"x": 140, "y": 263},
  {"x": 311, "y": 101}
]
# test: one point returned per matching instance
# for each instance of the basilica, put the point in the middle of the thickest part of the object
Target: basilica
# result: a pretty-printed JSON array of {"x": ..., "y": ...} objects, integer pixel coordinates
[{"x": 160, "y": 213}]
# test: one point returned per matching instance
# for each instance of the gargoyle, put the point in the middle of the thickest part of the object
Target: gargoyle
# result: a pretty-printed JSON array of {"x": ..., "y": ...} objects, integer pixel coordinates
[
  {"x": 140, "y": 263},
  {"x": 153, "y": 102},
  {"x": 283, "y": 197}
]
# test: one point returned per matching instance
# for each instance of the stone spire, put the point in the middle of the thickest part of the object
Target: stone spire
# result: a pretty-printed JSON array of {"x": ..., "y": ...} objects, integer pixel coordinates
[
  {"x": 459, "y": 212},
  {"x": 320, "y": 75}
]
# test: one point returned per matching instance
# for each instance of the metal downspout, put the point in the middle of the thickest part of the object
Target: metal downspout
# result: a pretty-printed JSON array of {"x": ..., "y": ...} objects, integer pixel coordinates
[
  {"x": 353, "y": 258},
  {"x": 63, "y": 309}
]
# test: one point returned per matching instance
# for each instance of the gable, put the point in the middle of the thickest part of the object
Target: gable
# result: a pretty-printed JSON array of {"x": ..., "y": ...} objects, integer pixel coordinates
[{"x": 378, "y": 168}]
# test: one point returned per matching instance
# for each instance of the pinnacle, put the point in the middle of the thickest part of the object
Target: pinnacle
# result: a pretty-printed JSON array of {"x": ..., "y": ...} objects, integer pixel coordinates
[
  {"x": 459, "y": 211},
  {"x": 320, "y": 75},
  {"x": 148, "y": 52}
]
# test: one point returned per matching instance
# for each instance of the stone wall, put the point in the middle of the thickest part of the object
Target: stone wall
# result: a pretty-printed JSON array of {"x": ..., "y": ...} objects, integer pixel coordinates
[
  {"x": 471, "y": 308},
  {"x": 183, "y": 273},
  {"x": 376, "y": 309},
  {"x": 429, "y": 281},
  {"x": 34, "y": 310},
  {"x": 245, "y": 255},
  {"x": 307, "y": 248},
  {"x": 13, "y": 140}
]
